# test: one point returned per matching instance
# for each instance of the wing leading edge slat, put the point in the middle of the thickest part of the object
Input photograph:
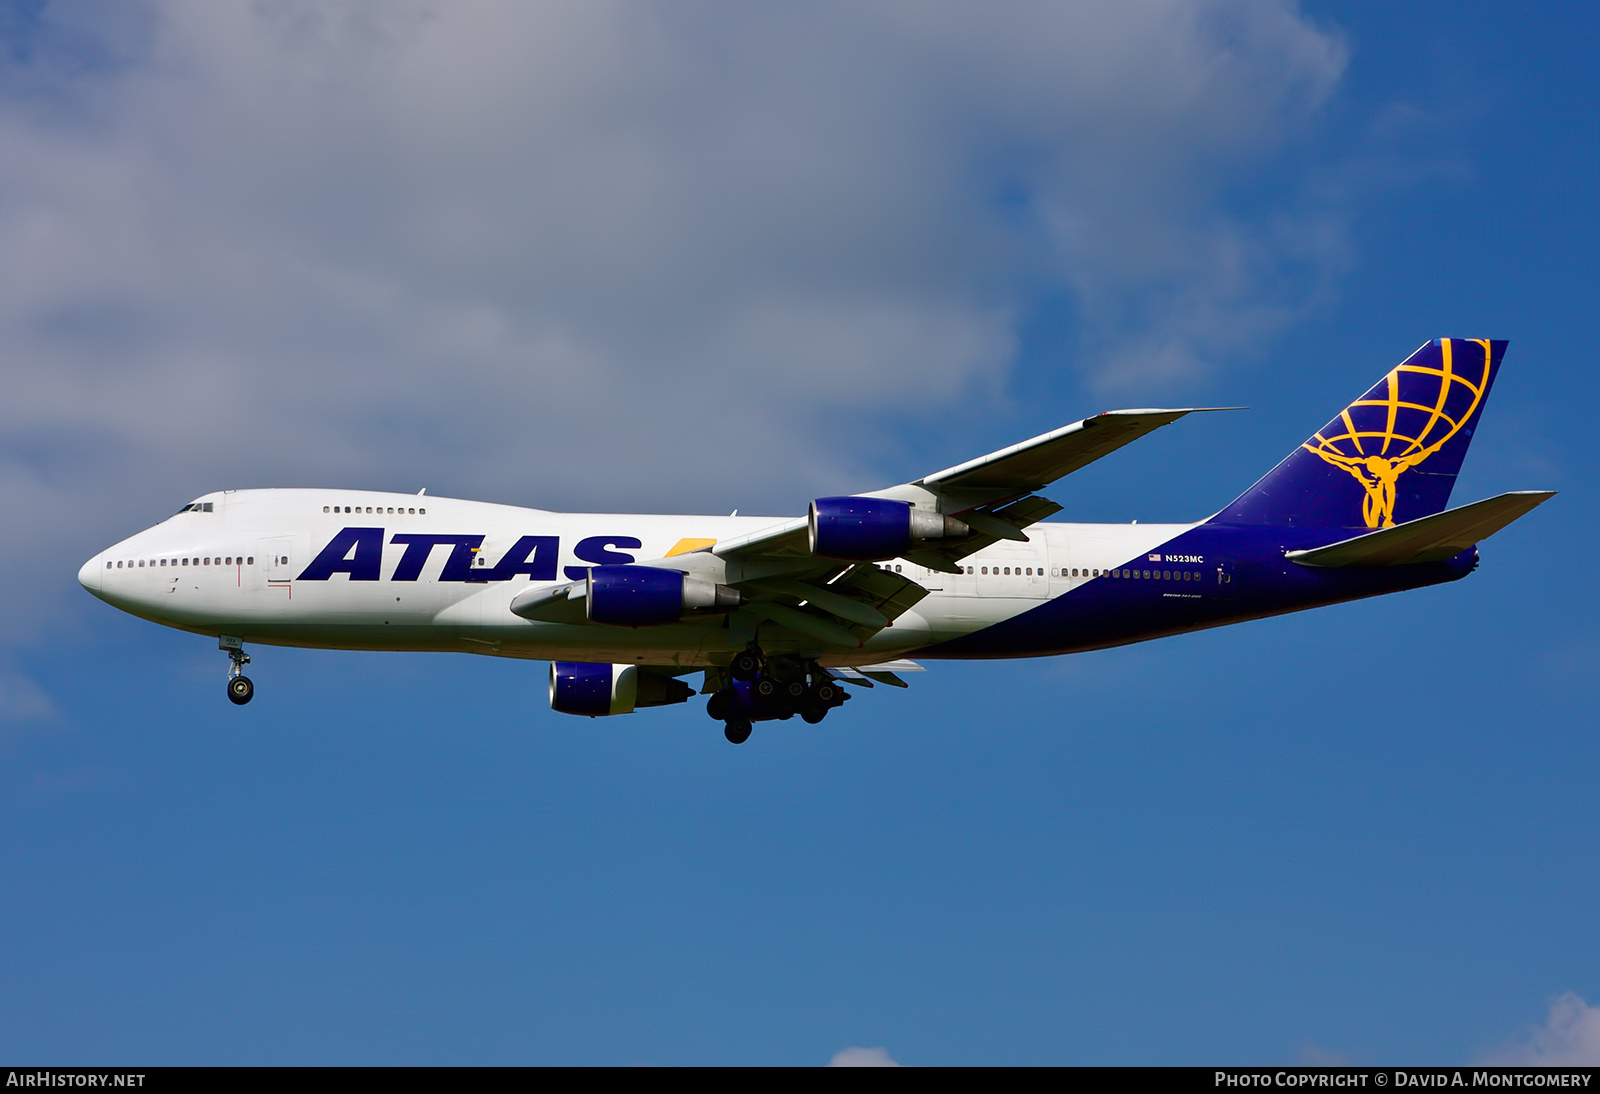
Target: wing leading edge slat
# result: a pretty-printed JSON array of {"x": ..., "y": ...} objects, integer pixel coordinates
[{"x": 1037, "y": 462}]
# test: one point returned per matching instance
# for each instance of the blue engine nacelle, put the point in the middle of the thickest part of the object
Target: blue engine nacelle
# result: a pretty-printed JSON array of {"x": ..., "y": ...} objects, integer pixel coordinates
[
  {"x": 640, "y": 596},
  {"x": 873, "y": 529},
  {"x": 581, "y": 687}
]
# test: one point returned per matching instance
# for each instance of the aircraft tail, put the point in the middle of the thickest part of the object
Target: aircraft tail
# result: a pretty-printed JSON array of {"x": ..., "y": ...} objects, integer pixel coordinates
[{"x": 1389, "y": 457}]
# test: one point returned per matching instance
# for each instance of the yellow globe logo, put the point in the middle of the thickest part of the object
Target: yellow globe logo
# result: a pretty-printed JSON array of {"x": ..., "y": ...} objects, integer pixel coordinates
[{"x": 1406, "y": 418}]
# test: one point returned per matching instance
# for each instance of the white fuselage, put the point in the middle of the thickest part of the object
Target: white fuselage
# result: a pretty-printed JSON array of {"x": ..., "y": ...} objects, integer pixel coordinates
[{"x": 238, "y": 570}]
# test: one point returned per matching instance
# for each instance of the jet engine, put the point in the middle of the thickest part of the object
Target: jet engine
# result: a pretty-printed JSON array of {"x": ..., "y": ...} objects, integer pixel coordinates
[
  {"x": 873, "y": 529},
  {"x": 639, "y": 596},
  {"x": 596, "y": 690},
  {"x": 581, "y": 687}
]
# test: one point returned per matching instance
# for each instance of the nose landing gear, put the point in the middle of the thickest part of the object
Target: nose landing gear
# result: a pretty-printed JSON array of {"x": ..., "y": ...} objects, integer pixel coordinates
[{"x": 240, "y": 689}]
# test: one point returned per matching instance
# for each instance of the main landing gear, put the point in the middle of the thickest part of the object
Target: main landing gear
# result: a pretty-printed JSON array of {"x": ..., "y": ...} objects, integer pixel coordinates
[
  {"x": 240, "y": 689},
  {"x": 766, "y": 689}
]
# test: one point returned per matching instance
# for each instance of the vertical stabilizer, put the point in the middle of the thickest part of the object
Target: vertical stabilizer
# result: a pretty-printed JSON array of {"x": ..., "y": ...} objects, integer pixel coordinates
[{"x": 1390, "y": 456}]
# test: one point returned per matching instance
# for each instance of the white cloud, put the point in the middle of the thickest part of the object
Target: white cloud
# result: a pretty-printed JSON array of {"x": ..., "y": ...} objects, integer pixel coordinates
[
  {"x": 606, "y": 255},
  {"x": 862, "y": 1057},
  {"x": 1570, "y": 1037}
]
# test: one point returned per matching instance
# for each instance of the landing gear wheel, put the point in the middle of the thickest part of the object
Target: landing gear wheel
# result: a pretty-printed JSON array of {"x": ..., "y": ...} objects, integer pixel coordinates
[
  {"x": 745, "y": 665},
  {"x": 240, "y": 690},
  {"x": 821, "y": 698},
  {"x": 737, "y": 732},
  {"x": 723, "y": 704},
  {"x": 773, "y": 698}
]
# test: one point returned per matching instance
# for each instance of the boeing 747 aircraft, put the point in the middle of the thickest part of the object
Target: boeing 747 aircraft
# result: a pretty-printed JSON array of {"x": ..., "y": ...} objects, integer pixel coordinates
[{"x": 776, "y": 613}]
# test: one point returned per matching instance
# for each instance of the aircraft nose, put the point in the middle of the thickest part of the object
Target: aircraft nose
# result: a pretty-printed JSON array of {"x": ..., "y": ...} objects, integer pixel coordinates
[{"x": 89, "y": 574}]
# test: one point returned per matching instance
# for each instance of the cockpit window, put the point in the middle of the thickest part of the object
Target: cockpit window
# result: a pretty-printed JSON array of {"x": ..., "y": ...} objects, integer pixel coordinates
[{"x": 197, "y": 507}]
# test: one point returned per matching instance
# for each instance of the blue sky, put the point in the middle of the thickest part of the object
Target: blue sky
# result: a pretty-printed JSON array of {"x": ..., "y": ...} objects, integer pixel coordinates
[{"x": 705, "y": 256}]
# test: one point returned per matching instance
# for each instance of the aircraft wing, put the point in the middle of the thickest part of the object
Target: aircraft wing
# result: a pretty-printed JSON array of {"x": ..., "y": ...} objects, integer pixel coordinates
[
  {"x": 786, "y": 540},
  {"x": 1037, "y": 462},
  {"x": 978, "y": 488},
  {"x": 840, "y": 604}
]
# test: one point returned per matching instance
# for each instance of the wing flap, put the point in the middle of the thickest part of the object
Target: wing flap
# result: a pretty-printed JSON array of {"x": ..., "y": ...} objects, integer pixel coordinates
[
  {"x": 1427, "y": 539},
  {"x": 807, "y": 623},
  {"x": 864, "y": 600},
  {"x": 848, "y": 608},
  {"x": 889, "y": 593}
]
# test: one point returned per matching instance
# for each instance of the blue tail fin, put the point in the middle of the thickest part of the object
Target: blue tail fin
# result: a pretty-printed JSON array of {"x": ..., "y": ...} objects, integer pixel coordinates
[{"x": 1390, "y": 456}]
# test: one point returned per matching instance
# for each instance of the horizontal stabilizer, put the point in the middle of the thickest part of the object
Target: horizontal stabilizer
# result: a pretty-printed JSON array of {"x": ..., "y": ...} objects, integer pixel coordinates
[{"x": 1427, "y": 539}]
